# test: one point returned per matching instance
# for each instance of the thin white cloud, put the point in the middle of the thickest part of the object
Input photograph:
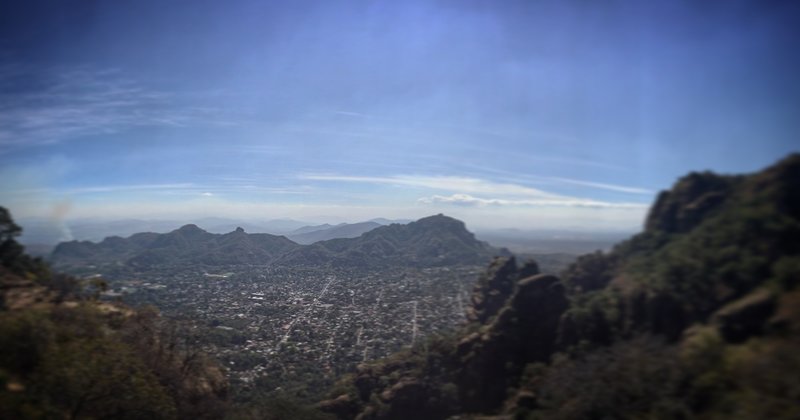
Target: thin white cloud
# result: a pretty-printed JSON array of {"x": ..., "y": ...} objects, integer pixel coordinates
[
  {"x": 550, "y": 179},
  {"x": 460, "y": 200},
  {"x": 444, "y": 183},
  {"x": 98, "y": 189},
  {"x": 139, "y": 187},
  {"x": 188, "y": 189},
  {"x": 465, "y": 191},
  {"x": 603, "y": 186},
  {"x": 468, "y": 200}
]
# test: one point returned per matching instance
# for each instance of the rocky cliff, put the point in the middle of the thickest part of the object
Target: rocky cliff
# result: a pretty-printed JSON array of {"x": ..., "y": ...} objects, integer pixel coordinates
[{"x": 695, "y": 316}]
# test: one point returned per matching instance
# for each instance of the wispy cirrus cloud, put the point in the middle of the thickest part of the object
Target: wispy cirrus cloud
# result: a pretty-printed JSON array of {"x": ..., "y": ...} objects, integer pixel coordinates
[
  {"x": 604, "y": 186},
  {"x": 100, "y": 189},
  {"x": 502, "y": 174},
  {"x": 45, "y": 108},
  {"x": 445, "y": 183},
  {"x": 466, "y": 191},
  {"x": 206, "y": 190},
  {"x": 468, "y": 200}
]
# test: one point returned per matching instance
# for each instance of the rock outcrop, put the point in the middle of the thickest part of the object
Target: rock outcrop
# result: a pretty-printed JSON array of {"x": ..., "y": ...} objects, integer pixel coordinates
[
  {"x": 523, "y": 332},
  {"x": 693, "y": 198},
  {"x": 492, "y": 290},
  {"x": 516, "y": 312},
  {"x": 695, "y": 316}
]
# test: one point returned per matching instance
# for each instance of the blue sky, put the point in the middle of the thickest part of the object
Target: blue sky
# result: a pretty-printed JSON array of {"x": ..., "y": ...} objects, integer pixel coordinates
[{"x": 528, "y": 114}]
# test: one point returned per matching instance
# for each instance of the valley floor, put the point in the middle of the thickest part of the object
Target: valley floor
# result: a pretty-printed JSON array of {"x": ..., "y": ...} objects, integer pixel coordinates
[{"x": 294, "y": 331}]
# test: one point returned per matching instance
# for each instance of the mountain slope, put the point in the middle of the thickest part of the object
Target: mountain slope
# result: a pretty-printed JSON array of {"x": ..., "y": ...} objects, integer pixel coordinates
[
  {"x": 696, "y": 317},
  {"x": 432, "y": 241},
  {"x": 186, "y": 245},
  {"x": 313, "y": 228},
  {"x": 321, "y": 233}
]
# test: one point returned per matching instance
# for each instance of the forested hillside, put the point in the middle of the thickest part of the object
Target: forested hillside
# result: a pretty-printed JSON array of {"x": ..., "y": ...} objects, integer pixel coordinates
[
  {"x": 64, "y": 354},
  {"x": 694, "y": 317}
]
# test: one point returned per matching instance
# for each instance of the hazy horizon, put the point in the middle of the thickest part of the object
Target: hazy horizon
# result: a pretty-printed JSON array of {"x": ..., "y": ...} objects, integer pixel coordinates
[
  {"x": 528, "y": 115},
  {"x": 42, "y": 234}
]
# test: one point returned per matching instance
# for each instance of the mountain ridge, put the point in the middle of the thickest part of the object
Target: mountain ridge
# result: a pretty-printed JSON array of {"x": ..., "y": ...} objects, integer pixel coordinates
[
  {"x": 188, "y": 244},
  {"x": 431, "y": 241},
  {"x": 436, "y": 240},
  {"x": 310, "y": 234}
]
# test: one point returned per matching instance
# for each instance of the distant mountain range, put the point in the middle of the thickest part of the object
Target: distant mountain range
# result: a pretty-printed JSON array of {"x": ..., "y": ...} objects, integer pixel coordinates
[
  {"x": 310, "y": 234},
  {"x": 40, "y": 235},
  {"x": 435, "y": 240},
  {"x": 431, "y": 241},
  {"x": 187, "y": 245},
  {"x": 383, "y": 221}
]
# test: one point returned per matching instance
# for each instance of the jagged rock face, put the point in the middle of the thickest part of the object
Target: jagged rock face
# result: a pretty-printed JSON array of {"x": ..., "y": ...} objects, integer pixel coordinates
[
  {"x": 709, "y": 241},
  {"x": 524, "y": 331},
  {"x": 590, "y": 272},
  {"x": 692, "y": 199},
  {"x": 529, "y": 269},
  {"x": 493, "y": 289},
  {"x": 519, "y": 311}
]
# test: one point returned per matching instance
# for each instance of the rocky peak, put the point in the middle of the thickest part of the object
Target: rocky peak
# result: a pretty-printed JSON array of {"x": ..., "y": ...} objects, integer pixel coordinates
[
  {"x": 190, "y": 229},
  {"x": 524, "y": 331},
  {"x": 493, "y": 289},
  {"x": 496, "y": 286},
  {"x": 529, "y": 268},
  {"x": 689, "y": 202},
  {"x": 781, "y": 182},
  {"x": 440, "y": 221}
]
